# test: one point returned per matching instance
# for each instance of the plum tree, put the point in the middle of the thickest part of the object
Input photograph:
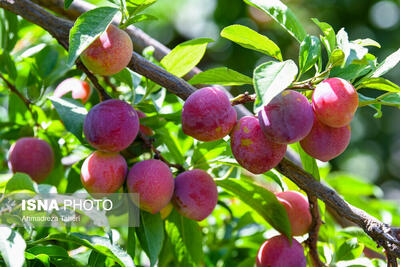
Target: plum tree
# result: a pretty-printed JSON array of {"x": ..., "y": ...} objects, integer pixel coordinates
[
  {"x": 278, "y": 252},
  {"x": 298, "y": 211},
  {"x": 32, "y": 156},
  {"x": 109, "y": 53},
  {"x": 142, "y": 128},
  {"x": 195, "y": 195},
  {"x": 335, "y": 101},
  {"x": 287, "y": 119},
  {"x": 252, "y": 150},
  {"x": 153, "y": 181},
  {"x": 111, "y": 125},
  {"x": 103, "y": 173},
  {"x": 80, "y": 89},
  {"x": 324, "y": 142},
  {"x": 208, "y": 115}
]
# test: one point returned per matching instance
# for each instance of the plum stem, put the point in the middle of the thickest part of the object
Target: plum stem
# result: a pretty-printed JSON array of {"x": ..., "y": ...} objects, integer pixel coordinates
[
  {"x": 157, "y": 154},
  {"x": 243, "y": 98}
]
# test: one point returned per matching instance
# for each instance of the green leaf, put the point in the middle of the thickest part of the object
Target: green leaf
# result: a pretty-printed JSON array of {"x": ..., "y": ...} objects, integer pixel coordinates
[
  {"x": 67, "y": 3},
  {"x": 337, "y": 58},
  {"x": 151, "y": 235},
  {"x": 345, "y": 183},
  {"x": 351, "y": 249},
  {"x": 186, "y": 239},
  {"x": 96, "y": 259},
  {"x": 50, "y": 250},
  {"x": 136, "y": 6},
  {"x": 72, "y": 113},
  {"x": 283, "y": 15},
  {"x": 361, "y": 236},
  {"x": 309, "y": 163},
  {"x": 20, "y": 182},
  {"x": 379, "y": 84},
  {"x": 12, "y": 247},
  {"x": 251, "y": 39},
  {"x": 270, "y": 79},
  {"x": 87, "y": 28},
  {"x": 138, "y": 18},
  {"x": 261, "y": 200},
  {"x": 329, "y": 38},
  {"x": 97, "y": 243},
  {"x": 206, "y": 151},
  {"x": 367, "y": 42},
  {"x": 389, "y": 63},
  {"x": 172, "y": 143},
  {"x": 310, "y": 52},
  {"x": 222, "y": 76},
  {"x": 185, "y": 56}
]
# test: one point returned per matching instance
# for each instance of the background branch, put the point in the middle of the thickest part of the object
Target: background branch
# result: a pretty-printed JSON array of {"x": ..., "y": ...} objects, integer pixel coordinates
[{"x": 382, "y": 234}]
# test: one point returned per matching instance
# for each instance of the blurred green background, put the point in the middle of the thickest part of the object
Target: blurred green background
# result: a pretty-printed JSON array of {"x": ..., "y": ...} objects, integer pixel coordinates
[{"x": 374, "y": 153}]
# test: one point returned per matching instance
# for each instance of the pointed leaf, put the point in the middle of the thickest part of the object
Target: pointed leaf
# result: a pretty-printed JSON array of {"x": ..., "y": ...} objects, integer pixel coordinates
[
  {"x": 251, "y": 39},
  {"x": 185, "y": 56},
  {"x": 186, "y": 239},
  {"x": 72, "y": 113},
  {"x": 329, "y": 38},
  {"x": 99, "y": 244},
  {"x": 389, "y": 63},
  {"x": 261, "y": 200},
  {"x": 283, "y": 15},
  {"x": 379, "y": 84},
  {"x": 151, "y": 235},
  {"x": 87, "y": 28},
  {"x": 270, "y": 79},
  {"x": 310, "y": 52},
  {"x": 222, "y": 76}
]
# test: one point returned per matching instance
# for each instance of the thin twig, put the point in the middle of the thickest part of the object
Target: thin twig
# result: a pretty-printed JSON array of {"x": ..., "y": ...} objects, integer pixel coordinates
[
  {"x": 109, "y": 83},
  {"x": 243, "y": 98},
  {"x": 100, "y": 89},
  {"x": 157, "y": 154},
  {"x": 314, "y": 231},
  {"x": 18, "y": 93}
]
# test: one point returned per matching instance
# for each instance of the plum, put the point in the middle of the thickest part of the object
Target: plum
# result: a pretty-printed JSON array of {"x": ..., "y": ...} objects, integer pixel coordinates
[
  {"x": 111, "y": 126},
  {"x": 298, "y": 211},
  {"x": 32, "y": 156},
  {"x": 109, "y": 53},
  {"x": 103, "y": 173},
  {"x": 324, "y": 142},
  {"x": 287, "y": 119},
  {"x": 195, "y": 195},
  {"x": 252, "y": 150},
  {"x": 278, "y": 252},
  {"x": 334, "y": 102},
  {"x": 153, "y": 181},
  {"x": 80, "y": 89},
  {"x": 208, "y": 115}
]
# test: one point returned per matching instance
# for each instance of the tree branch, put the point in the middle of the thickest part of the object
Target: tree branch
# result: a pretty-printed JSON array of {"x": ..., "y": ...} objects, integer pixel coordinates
[
  {"x": 314, "y": 231},
  {"x": 381, "y": 233},
  {"x": 15, "y": 91}
]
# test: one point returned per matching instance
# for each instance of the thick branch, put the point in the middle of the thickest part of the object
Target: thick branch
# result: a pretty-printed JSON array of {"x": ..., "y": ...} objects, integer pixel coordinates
[{"x": 380, "y": 232}]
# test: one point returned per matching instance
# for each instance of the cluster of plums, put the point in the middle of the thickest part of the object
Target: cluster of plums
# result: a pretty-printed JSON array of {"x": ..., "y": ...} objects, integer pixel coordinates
[
  {"x": 259, "y": 144},
  {"x": 110, "y": 127}
]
